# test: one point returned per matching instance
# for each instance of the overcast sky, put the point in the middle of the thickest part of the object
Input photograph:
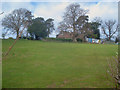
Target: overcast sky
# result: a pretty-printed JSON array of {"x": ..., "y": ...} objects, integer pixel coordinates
[{"x": 54, "y": 9}]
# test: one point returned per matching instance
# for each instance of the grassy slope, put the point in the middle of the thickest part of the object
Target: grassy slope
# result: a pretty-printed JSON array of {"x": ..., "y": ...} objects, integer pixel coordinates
[{"x": 35, "y": 64}]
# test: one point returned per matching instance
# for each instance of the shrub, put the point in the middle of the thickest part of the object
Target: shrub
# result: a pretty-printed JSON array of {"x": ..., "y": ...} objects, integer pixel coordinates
[
  {"x": 50, "y": 39},
  {"x": 10, "y": 38},
  {"x": 79, "y": 40},
  {"x": 24, "y": 37},
  {"x": 30, "y": 38},
  {"x": 59, "y": 39}
]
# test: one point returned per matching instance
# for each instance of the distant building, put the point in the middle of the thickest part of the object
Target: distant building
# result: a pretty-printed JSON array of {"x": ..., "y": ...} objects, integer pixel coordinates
[
  {"x": 65, "y": 35},
  {"x": 68, "y": 35}
]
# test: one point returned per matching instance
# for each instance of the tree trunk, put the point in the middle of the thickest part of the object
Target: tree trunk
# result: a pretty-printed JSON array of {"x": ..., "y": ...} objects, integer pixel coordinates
[
  {"x": 109, "y": 38},
  {"x": 74, "y": 32},
  {"x": 17, "y": 34},
  {"x": 84, "y": 39},
  {"x": 27, "y": 35},
  {"x": 74, "y": 39}
]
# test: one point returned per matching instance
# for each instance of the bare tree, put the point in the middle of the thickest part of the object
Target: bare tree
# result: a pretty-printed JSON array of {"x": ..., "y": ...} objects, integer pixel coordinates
[
  {"x": 3, "y": 34},
  {"x": 16, "y": 22},
  {"x": 73, "y": 19},
  {"x": 86, "y": 30},
  {"x": 97, "y": 19},
  {"x": 109, "y": 28}
]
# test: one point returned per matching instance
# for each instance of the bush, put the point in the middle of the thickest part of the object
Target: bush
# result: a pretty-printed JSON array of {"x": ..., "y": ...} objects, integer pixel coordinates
[
  {"x": 50, "y": 39},
  {"x": 10, "y": 38},
  {"x": 64, "y": 40},
  {"x": 79, "y": 40},
  {"x": 24, "y": 37},
  {"x": 59, "y": 39},
  {"x": 30, "y": 38}
]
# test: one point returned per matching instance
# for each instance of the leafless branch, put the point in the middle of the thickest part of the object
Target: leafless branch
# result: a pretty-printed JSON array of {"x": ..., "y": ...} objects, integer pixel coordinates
[{"x": 1, "y": 13}]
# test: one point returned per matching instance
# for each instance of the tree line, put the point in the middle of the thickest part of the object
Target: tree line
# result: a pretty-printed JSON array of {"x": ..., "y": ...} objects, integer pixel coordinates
[
  {"x": 75, "y": 19},
  {"x": 36, "y": 27}
]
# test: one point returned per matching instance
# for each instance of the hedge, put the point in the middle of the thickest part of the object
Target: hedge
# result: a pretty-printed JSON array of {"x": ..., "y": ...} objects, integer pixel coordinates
[{"x": 58, "y": 39}]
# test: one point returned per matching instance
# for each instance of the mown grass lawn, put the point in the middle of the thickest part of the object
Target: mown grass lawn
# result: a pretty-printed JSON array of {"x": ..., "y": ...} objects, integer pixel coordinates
[{"x": 37, "y": 64}]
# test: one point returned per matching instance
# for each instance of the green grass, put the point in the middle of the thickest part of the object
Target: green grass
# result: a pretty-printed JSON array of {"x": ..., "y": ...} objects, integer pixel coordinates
[{"x": 37, "y": 64}]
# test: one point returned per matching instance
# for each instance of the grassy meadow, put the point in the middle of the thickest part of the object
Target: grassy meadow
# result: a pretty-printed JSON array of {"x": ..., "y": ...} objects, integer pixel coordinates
[{"x": 38, "y": 64}]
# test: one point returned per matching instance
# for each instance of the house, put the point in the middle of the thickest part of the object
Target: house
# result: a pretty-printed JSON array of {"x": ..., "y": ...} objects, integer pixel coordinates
[
  {"x": 65, "y": 35},
  {"x": 68, "y": 35}
]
